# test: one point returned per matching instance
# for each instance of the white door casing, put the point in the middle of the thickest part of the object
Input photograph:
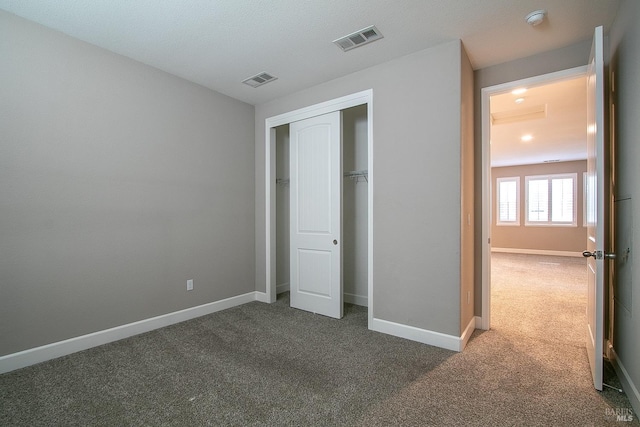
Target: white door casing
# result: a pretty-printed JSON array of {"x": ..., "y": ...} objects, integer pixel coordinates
[
  {"x": 315, "y": 165},
  {"x": 595, "y": 185}
]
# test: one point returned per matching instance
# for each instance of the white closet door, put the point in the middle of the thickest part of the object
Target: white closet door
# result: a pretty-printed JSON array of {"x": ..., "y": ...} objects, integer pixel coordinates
[{"x": 315, "y": 161}]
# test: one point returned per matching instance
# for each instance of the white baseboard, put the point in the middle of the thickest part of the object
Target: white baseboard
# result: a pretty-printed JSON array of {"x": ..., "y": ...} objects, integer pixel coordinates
[
  {"x": 356, "y": 299},
  {"x": 282, "y": 287},
  {"x": 537, "y": 252},
  {"x": 262, "y": 297},
  {"x": 478, "y": 321},
  {"x": 35, "y": 355},
  {"x": 437, "y": 339},
  {"x": 464, "y": 339},
  {"x": 627, "y": 383}
]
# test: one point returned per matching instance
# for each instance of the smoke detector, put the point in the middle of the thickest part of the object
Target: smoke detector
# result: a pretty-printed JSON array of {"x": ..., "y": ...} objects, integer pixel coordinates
[{"x": 536, "y": 17}]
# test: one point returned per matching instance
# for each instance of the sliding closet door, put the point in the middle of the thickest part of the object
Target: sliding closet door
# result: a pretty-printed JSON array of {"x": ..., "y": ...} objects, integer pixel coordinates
[{"x": 315, "y": 162}]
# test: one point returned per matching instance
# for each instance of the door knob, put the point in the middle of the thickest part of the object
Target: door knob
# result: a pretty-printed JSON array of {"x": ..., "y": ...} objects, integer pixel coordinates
[
  {"x": 335, "y": 242},
  {"x": 598, "y": 255}
]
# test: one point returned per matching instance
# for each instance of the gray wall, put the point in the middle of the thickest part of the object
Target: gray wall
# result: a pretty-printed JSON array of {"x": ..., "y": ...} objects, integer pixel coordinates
[
  {"x": 548, "y": 62},
  {"x": 118, "y": 182},
  {"x": 568, "y": 239},
  {"x": 416, "y": 204},
  {"x": 625, "y": 64}
]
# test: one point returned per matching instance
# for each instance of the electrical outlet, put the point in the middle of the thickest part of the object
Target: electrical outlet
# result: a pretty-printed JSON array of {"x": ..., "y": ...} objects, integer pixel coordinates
[{"x": 190, "y": 284}]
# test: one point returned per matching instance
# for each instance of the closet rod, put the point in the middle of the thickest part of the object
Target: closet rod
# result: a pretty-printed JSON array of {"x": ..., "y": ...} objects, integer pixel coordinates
[{"x": 358, "y": 174}]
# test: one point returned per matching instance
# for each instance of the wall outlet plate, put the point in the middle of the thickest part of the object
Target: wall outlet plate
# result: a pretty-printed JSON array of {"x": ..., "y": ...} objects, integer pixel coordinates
[{"x": 190, "y": 284}]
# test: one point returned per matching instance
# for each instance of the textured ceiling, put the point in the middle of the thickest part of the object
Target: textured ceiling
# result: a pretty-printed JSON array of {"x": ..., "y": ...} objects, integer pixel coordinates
[{"x": 219, "y": 43}]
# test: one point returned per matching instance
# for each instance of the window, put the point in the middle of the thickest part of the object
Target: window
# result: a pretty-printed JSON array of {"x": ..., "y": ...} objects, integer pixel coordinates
[
  {"x": 589, "y": 184},
  {"x": 508, "y": 208},
  {"x": 551, "y": 199},
  {"x": 584, "y": 199}
]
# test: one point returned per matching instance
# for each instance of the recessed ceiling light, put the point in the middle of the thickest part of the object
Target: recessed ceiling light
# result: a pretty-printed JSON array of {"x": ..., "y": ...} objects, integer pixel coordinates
[
  {"x": 526, "y": 138},
  {"x": 519, "y": 100},
  {"x": 519, "y": 91}
]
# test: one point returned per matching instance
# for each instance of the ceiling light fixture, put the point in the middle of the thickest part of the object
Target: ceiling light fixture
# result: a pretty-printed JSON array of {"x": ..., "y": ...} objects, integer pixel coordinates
[
  {"x": 519, "y": 91},
  {"x": 536, "y": 17},
  {"x": 526, "y": 138}
]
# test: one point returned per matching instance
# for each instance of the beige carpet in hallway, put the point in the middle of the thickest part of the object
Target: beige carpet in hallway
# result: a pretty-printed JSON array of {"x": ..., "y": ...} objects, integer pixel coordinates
[{"x": 539, "y": 297}]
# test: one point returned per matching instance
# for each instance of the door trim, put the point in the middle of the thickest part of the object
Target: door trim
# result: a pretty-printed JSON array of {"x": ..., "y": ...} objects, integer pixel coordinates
[
  {"x": 355, "y": 99},
  {"x": 486, "y": 93}
]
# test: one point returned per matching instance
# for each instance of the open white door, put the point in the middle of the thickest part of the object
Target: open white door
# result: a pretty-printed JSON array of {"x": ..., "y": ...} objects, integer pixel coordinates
[
  {"x": 315, "y": 162},
  {"x": 595, "y": 185}
]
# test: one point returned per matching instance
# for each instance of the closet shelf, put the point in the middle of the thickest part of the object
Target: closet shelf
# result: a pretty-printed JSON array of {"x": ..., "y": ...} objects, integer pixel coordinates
[{"x": 356, "y": 175}]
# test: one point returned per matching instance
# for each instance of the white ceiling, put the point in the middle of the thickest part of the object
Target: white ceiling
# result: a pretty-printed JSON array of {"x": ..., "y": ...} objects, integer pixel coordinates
[
  {"x": 558, "y": 136},
  {"x": 219, "y": 43}
]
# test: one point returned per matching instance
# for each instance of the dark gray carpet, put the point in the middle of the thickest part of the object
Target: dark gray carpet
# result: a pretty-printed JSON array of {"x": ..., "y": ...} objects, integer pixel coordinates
[{"x": 271, "y": 365}]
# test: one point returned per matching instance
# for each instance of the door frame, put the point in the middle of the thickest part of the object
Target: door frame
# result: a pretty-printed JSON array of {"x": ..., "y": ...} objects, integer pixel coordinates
[
  {"x": 360, "y": 98},
  {"x": 487, "y": 200}
]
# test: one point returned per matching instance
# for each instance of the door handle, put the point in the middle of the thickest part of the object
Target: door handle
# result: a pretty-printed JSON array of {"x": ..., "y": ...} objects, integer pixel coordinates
[
  {"x": 598, "y": 255},
  {"x": 335, "y": 242}
]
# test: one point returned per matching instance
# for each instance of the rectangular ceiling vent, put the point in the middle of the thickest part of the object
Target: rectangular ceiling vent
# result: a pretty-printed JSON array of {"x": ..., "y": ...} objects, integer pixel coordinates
[
  {"x": 259, "y": 79},
  {"x": 359, "y": 38}
]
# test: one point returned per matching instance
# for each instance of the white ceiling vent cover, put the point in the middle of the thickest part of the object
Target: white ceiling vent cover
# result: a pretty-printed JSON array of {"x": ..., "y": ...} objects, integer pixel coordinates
[
  {"x": 359, "y": 38},
  {"x": 259, "y": 79}
]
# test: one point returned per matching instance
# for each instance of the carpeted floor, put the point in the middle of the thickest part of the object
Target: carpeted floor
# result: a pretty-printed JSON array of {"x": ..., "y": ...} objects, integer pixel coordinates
[{"x": 271, "y": 365}]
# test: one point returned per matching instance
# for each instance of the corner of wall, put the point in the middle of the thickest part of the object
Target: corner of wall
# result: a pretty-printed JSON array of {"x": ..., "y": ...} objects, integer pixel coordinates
[{"x": 467, "y": 193}]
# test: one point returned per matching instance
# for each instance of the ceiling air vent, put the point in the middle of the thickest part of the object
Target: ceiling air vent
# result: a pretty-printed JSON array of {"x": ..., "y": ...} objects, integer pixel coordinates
[
  {"x": 359, "y": 38},
  {"x": 259, "y": 79}
]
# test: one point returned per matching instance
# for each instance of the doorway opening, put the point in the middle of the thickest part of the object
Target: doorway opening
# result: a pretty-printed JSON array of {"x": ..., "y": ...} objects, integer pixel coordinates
[
  {"x": 357, "y": 200},
  {"x": 533, "y": 167}
]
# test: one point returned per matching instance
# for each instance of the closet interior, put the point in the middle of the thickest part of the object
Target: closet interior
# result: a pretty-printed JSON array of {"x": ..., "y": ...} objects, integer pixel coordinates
[{"x": 354, "y": 206}]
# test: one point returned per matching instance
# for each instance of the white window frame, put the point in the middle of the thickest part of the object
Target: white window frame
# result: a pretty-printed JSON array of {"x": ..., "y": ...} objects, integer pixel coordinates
[
  {"x": 515, "y": 179},
  {"x": 550, "y": 222}
]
